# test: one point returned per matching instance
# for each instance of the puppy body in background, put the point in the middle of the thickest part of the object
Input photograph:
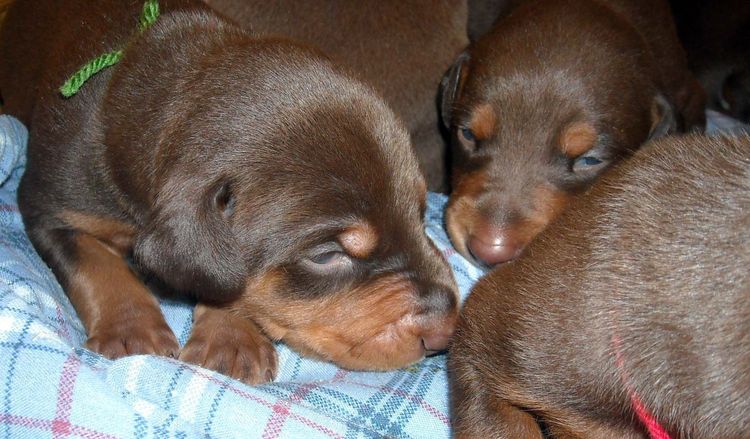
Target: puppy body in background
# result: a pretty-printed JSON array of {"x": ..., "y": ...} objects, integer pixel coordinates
[
  {"x": 638, "y": 295},
  {"x": 716, "y": 35},
  {"x": 555, "y": 93},
  {"x": 401, "y": 48},
  {"x": 249, "y": 173}
]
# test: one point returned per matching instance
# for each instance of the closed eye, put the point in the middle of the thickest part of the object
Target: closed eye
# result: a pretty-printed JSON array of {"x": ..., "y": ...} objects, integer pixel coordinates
[
  {"x": 328, "y": 261},
  {"x": 327, "y": 258}
]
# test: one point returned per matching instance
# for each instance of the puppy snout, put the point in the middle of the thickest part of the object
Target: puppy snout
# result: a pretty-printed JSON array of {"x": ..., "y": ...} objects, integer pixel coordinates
[
  {"x": 492, "y": 245},
  {"x": 440, "y": 312}
]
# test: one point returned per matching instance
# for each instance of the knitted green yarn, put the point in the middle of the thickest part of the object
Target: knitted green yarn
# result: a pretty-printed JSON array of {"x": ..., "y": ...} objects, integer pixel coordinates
[
  {"x": 74, "y": 83},
  {"x": 148, "y": 16}
]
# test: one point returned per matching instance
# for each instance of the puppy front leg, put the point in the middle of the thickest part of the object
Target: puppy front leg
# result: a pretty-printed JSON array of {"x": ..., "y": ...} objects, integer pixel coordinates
[
  {"x": 120, "y": 314},
  {"x": 478, "y": 413},
  {"x": 231, "y": 345}
]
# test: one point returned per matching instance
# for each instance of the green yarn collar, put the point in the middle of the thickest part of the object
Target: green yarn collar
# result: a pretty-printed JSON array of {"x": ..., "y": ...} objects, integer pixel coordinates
[{"x": 148, "y": 16}]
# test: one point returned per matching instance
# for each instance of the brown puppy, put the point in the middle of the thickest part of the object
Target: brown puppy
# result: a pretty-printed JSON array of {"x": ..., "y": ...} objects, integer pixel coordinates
[
  {"x": 248, "y": 172},
  {"x": 401, "y": 48},
  {"x": 639, "y": 292},
  {"x": 716, "y": 36},
  {"x": 540, "y": 106}
]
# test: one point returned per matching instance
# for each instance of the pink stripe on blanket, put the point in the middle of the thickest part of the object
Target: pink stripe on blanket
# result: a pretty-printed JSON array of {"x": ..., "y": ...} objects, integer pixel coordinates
[{"x": 61, "y": 426}]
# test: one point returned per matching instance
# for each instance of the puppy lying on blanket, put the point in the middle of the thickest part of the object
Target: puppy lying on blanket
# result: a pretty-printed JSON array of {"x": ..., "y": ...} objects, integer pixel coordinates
[
  {"x": 249, "y": 173},
  {"x": 628, "y": 315},
  {"x": 555, "y": 93}
]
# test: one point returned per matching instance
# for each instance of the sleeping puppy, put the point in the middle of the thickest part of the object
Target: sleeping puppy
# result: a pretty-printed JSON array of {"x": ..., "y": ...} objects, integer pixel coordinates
[
  {"x": 629, "y": 315},
  {"x": 542, "y": 104},
  {"x": 716, "y": 36},
  {"x": 401, "y": 48},
  {"x": 248, "y": 173}
]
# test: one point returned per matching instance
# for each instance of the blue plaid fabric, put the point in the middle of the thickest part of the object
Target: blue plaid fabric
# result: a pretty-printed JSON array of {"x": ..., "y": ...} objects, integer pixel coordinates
[{"x": 50, "y": 386}]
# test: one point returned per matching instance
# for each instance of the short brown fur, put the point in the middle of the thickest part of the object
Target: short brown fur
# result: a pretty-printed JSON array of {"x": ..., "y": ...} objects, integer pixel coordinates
[
  {"x": 211, "y": 157},
  {"x": 572, "y": 85},
  {"x": 651, "y": 267},
  {"x": 401, "y": 48}
]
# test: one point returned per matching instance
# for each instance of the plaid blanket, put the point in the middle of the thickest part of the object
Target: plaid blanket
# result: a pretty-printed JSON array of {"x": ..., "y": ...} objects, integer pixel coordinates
[{"x": 50, "y": 386}]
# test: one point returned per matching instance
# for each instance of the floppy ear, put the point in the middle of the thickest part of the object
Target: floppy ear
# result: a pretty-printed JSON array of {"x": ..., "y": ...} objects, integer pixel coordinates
[
  {"x": 188, "y": 243},
  {"x": 450, "y": 87},
  {"x": 663, "y": 119}
]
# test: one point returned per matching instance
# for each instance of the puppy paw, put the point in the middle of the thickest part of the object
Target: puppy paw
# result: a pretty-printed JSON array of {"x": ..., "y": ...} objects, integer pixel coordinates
[
  {"x": 133, "y": 336},
  {"x": 230, "y": 345}
]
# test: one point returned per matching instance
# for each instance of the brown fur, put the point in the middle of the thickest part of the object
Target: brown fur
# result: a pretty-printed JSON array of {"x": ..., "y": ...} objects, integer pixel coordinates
[
  {"x": 651, "y": 266},
  {"x": 248, "y": 172},
  {"x": 483, "y": 122},
  {"x": 360, "y": 240},
  {"x": 401, "y": 48},
  {"x": 343, "y": 327},
  {"x": 574, "y": 86}
]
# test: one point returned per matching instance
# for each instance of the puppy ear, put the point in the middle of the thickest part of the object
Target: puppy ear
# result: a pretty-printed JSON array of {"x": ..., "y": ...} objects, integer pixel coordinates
[
  {"x": 663, "y": 119},
  {"x": 450, "y": 87},
  {"x": 189, "y": 245}
]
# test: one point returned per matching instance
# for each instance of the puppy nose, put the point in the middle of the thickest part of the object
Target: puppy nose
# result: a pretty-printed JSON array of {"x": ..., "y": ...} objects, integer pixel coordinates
[
  {"x": 438, "y": 318},
  {"x": 493, "y": 245}
]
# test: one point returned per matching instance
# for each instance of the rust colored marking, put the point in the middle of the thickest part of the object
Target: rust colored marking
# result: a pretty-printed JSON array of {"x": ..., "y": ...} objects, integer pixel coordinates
[
  {"x": 577, "y": 138},
  {"x": 372, "y": 327},
  {"x": 462, "y": 213},
  {"x": 483, "y": 121},
  {"x": 117, "y": 234},
  {"x": 120, "y": 314},
  {"x": 359, "y": 240},
  {"x": 549, "y": 203},
  {"x": 230, "y": 344}
]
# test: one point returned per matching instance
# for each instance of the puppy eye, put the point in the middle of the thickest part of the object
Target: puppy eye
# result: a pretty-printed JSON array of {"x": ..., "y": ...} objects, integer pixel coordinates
[
  {"x": 466, "y": 137},
  {"x": 587, "y": 164},
  {"x": 589, "y": 161},
  {"x": 328, "y": 262},
  {"x": 327, "y": 258}
]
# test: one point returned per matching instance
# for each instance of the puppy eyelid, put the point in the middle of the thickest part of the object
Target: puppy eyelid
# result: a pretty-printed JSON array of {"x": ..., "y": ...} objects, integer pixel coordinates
[
  {"x": 326, "y": 258},
  {"x": 467, "y": 138},
  {"x": 588, "y": 165},
  {"x": 467, "y": 134}
]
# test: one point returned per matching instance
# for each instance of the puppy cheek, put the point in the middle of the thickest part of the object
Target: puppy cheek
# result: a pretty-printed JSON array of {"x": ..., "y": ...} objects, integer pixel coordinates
[
  {"x": 374, "y": 327},
  {"x": 462, "y": 211},
  {"x": 377, "y": 326},
  {"x": 549, "y": 204}
]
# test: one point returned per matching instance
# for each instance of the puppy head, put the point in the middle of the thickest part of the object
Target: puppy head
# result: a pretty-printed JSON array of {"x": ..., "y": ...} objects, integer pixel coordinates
[
  {"x": 291, "y": 190},
  {"x": 526, "y": 135}
]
